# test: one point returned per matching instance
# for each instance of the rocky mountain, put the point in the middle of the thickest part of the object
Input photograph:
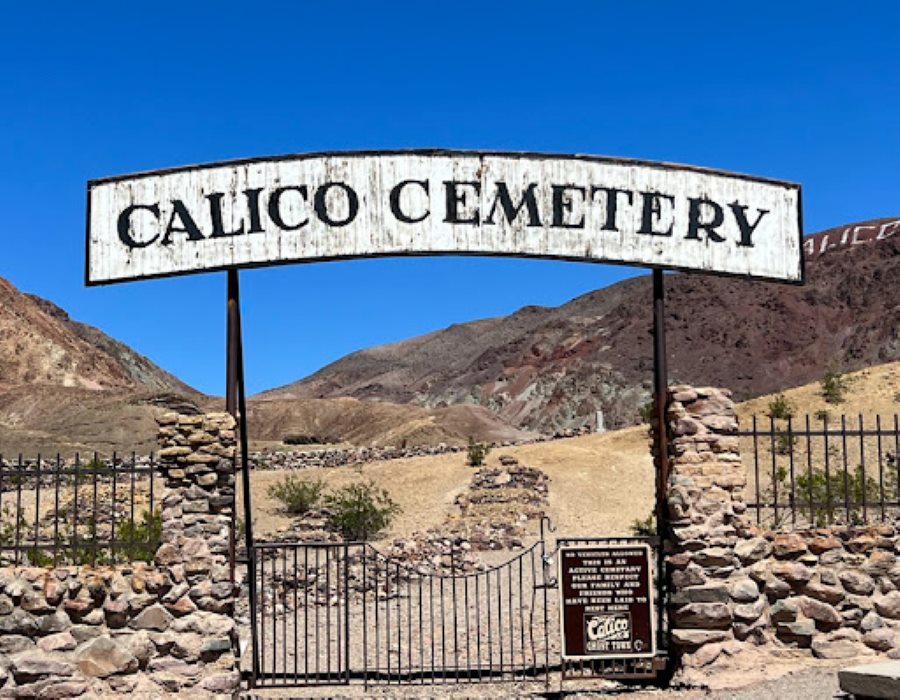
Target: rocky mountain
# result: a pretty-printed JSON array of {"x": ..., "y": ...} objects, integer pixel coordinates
[
  {"x": 549, "y": 368},
  {"x": 41, "y": 345},
  {"x": 68, "y": 387}
]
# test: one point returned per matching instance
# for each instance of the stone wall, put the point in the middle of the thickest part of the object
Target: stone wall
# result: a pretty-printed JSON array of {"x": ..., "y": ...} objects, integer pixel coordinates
[
  {"x": 828, "y": 593},
  {"x": 349, "y": 456},
  {"x": 146, "y": 629}
]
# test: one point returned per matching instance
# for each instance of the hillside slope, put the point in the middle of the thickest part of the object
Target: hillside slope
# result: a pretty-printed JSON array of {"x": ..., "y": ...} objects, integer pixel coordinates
[
  {"x": 599, "y": 483},
  {"x": 40, "y": 344},
  {"x": 68, "y": 387},
  {"x": 548, "y": 368}
]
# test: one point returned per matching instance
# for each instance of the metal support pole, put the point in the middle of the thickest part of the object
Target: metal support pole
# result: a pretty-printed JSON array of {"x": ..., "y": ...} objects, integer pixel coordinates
[
  {"x": 236, "y": 395},
  {"x": 232, "y": 310},
  {"x": 660, "y": 396}
]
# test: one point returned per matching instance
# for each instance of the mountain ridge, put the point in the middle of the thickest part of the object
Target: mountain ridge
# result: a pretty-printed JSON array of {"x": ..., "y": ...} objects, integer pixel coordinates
[{"x": 547, "y": 368}]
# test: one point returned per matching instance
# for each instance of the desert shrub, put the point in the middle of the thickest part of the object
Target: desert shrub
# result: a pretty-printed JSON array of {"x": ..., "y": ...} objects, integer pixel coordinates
[
  {"x": 646, "y": 411},
  {"x": 785, "y": 444},
  {"x": 141, "y": 537},
  {"x": 780, "y": 408},
  {"x": 476, "y": 453},
  {"x": 359, "y": 511},
  {"x": 297, "y": 496},
  {"x": 835, "y": 497},
  {"x": 833, "y": 384},
  {"x": 823, "y": 414},
  {"x": 644, "y": 527}
]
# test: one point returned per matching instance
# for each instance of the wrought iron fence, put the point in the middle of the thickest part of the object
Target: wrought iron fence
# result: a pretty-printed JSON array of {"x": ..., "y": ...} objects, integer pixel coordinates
[
  {"x": 72, "y": 511},
  {"x": 818, "y": 471},
  {"x": 329, "y": 613}
]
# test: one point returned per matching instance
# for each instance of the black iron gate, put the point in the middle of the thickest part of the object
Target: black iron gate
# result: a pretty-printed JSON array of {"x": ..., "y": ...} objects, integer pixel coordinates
[{"x": 332, "y": 613}]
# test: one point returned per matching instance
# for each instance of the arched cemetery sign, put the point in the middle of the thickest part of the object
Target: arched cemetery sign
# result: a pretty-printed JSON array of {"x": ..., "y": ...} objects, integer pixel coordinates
[{"x": 361, "y": 204}]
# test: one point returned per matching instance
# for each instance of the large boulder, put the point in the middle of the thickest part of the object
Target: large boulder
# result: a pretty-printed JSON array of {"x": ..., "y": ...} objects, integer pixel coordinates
[{"x": 102, "y": 657}]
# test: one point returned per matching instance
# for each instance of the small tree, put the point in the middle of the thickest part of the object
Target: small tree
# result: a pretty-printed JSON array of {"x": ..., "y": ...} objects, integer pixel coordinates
[
  {"x": 297, "y": 496},
  {"x": 476, "y": 453},
  {"x": 361, "y": 510},
  {"x": 780, "y": 408},
  {"x": 833, "y": 497},
  {"x": 141, "y": 537}
]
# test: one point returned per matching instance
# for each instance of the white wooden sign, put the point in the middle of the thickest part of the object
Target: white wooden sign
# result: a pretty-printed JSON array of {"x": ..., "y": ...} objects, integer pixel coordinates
[{"x": 361, "y": 204}]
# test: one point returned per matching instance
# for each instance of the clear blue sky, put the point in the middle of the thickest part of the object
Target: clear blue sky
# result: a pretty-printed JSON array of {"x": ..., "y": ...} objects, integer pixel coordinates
[{"x": 805, "y": 91}]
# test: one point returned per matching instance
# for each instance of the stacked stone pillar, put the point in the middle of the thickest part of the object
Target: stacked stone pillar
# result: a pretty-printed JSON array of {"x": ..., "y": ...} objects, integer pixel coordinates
[
  {"x": 713, "y": 602},
  {"x": 197, "y": 461},
  {"x": 196, "y": 458}
]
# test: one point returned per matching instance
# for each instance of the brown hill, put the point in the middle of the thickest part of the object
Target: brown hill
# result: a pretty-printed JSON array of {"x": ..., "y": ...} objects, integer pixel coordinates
[
  {"x": 373, "y": 423},
  {"x": 548, "y": 368},
  {"x": 68, "y": 387},
  {"x": 40, "y": 344}
]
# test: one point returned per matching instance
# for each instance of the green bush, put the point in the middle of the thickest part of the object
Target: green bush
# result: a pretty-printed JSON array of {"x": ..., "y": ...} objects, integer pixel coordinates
[
  {"x": 780, "y": 407},
  {"x": 297, "y": 496},
  {"x": 476, "y": 453},
  {"x": 361, "y": 510},
  {"x": 141, "y": 538},
  {"x": 834, "y": 384},
  {"x": 823, "y": 414},
  {"x": 646, "y": 411},
  {"x": 785, "y": 444},
  {"x": 836, "y": 497},
  {"x": 645, "y": 527}
]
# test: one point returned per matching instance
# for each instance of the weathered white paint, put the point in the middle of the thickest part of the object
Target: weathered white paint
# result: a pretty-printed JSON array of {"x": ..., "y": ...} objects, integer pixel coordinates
[{"x": 376, "y": 230}]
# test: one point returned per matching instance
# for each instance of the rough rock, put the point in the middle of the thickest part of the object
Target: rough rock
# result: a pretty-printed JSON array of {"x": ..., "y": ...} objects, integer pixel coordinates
[
  {"x": 31, "y": 665},
  {"x": 856, "y": 581},
  {"x": 156, "y": 618},
  {"x": 703, "y": 616},
  {"x": 889, "y": 605},
  {"x": 104, "y": 657}
]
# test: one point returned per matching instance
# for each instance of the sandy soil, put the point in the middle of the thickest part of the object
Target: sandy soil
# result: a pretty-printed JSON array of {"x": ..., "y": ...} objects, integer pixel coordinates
[
  {"x": 814, "y": 680},
  {"x": 871, "y": 391},
  {"x": 598, "y": 484}
]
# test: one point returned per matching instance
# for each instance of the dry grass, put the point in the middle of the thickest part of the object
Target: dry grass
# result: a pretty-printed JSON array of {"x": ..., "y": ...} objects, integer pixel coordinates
[{"x": 872, "y": 391}]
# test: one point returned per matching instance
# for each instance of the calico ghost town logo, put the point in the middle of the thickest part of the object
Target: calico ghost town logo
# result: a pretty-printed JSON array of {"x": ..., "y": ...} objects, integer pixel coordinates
[
  {"x": 303, "y": 208},
  {"x": 609, "y": 632}
]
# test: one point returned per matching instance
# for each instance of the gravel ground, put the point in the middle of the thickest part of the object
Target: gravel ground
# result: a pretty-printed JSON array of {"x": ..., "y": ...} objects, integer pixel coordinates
[{"x": 810, "y": 684}]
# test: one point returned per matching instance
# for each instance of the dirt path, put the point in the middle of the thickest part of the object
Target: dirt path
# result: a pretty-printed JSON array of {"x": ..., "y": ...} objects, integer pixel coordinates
[{"x": 810, "y": 684}]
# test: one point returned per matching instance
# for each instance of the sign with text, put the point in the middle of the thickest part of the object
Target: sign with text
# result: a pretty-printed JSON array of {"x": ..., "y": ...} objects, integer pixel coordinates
[
  {"x": 606, "y": 605},
  {"x": 360, "y": 204}
]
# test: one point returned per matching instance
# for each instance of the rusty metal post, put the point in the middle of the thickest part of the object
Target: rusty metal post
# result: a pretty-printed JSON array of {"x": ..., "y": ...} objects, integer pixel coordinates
[
  {"x": 236, "y": 405},
  {"x": 231, "y": 373},
  {"x": 660, "y": 397}
]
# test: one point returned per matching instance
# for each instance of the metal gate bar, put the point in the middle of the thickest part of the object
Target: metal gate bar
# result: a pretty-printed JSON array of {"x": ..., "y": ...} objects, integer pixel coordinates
[{"x": 317, "y": 603}]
